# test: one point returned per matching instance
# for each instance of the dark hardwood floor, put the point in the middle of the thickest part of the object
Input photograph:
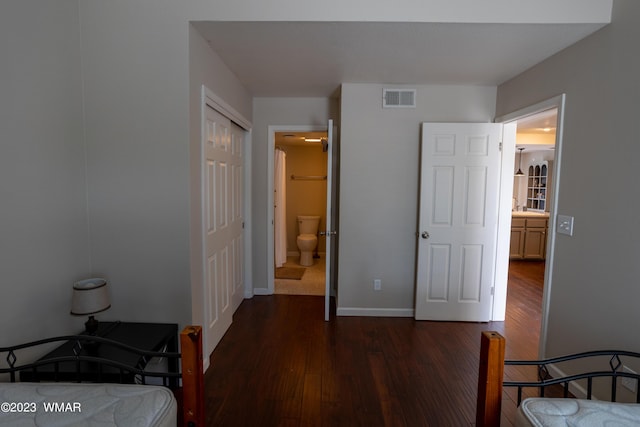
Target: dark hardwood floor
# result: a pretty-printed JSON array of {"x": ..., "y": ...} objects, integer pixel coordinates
[{"x": 280, "y": 364}]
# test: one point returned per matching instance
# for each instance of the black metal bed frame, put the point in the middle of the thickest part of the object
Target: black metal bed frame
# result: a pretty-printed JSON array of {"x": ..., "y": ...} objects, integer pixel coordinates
[
  {"x": 493, "y": 369},
  {"x": 545, "y": 380},
  {"x": 84, "y": 344}
]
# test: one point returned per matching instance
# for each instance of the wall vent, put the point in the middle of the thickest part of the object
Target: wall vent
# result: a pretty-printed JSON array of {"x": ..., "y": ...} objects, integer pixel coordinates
[{"x": 398, "y": 98}]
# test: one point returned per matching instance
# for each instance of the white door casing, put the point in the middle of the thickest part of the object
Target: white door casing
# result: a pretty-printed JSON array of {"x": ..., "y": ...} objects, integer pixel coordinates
[
  {"x": 459, "y": 193},
  {"x": 237, "y": 214},
  {"x": 222, "y": 224},
  {"x": 330, "y": 232},
  {"x": 511, "y": 119}
]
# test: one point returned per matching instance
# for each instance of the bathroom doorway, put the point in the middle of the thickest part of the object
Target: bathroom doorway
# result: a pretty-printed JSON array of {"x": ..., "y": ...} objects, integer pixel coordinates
[{"x": 300, "y": 205}]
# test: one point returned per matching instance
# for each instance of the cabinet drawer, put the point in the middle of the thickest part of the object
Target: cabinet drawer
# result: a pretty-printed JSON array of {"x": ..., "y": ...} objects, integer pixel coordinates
[
  {"x": 536, "y": 222},
  {"x": 518, "y": 222}
]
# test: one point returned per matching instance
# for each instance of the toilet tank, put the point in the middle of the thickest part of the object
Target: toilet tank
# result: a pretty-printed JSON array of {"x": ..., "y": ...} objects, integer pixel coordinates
[{"x": 308, "y": 224}]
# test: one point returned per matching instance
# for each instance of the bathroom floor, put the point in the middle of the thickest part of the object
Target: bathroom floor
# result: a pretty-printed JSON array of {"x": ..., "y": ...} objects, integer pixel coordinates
[{"x": 312, "y": 282}]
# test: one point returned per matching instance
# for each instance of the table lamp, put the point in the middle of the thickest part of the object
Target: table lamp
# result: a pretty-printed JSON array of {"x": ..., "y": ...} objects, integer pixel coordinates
[{"x": 90, "y": 296}]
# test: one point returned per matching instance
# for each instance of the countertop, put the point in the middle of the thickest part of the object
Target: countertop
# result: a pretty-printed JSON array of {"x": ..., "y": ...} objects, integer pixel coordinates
[{"x": 527, "y": 214}]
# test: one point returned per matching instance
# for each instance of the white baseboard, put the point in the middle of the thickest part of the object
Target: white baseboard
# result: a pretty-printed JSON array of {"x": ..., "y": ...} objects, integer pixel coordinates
[
  {"x": 375, "y": 312},
  {"x": 574, "y": 388},
  {"x": 261, "y": 291}
]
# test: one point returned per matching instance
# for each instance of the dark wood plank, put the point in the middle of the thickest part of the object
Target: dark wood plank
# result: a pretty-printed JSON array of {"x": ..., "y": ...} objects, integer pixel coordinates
[
  {"x": 193, "y": 409},
  {"x": 311, "y": 414},
  {"x": 280, "y": 364},
  {"x": 490, "y": 380}
]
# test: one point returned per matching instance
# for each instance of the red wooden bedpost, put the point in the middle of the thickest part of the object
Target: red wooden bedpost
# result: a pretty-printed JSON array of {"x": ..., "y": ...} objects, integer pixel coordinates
[
  {"x": 490, "y": 379},
  {"x": 192, "y": 376}
]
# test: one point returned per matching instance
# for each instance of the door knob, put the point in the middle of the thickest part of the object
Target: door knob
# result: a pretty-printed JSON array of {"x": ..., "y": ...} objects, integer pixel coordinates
[{"x": 425, "y": 235}]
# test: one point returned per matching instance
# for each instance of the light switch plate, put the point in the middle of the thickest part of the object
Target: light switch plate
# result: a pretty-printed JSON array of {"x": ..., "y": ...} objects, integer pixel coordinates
[{"x": 565, "y": 225}]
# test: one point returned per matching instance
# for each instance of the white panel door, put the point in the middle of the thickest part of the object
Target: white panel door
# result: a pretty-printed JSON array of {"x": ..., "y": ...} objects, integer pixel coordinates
[
  {"x": 459, "y": 194},
  {"x": 220, "y": 223}
]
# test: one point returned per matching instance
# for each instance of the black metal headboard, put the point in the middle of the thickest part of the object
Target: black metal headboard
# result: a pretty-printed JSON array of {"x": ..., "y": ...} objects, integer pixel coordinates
[
  {"x": 84, "y": 365},
  {"x": 613, "y": 371}
]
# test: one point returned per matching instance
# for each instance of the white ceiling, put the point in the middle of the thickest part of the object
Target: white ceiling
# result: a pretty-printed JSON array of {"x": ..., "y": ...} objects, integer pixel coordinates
[
  {"x": 313, "y": 58},
  {"x": 537, "y": 132},
  {"x": 539, "y": 123}
]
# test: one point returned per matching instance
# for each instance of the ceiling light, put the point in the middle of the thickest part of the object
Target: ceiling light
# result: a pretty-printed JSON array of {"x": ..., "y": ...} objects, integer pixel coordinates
[
  {"x": 312, "y": 140},
  {"x": 547, "y": 129},
  {"x": 520, "y": 173}
]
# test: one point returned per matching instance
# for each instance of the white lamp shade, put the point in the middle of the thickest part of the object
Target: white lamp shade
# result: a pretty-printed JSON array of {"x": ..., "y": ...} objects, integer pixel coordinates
[{"x": 90, "y": 296}]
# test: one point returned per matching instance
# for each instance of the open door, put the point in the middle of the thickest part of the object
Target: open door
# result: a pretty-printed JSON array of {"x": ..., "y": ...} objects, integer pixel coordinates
[
  {"x": 459, "y": 189},
  {"x": 330, "y": 232}
]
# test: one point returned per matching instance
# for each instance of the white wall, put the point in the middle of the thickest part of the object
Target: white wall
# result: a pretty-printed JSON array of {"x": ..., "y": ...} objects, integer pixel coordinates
[
  {"x": 143, "y": 67},
  {"x": 379, "y": 170},
  {"x": 43, "y": 239},
  {"x": 205, "y": 68},
  {"x": 95, "y": 103},
  {"x": 595, "y": 275},
  {"x": 136, "y": 102}
]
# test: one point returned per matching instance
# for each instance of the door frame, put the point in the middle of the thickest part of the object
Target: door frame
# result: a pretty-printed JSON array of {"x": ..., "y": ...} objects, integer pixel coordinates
[
  {"x": 557, "y": 102},
  {"x": 271, "y": 147}
]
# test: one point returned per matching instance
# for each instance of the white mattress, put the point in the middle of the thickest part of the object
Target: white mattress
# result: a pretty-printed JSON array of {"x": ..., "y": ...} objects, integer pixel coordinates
[
  {"x": 546, "y": 412},
  {"x": 58, "y": 404}
]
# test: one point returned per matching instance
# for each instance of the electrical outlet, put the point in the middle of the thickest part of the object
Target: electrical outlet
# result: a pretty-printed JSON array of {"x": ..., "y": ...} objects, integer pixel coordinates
[
  {"x": 629, "y": 383},
  {"x": 377, "y": 284}
]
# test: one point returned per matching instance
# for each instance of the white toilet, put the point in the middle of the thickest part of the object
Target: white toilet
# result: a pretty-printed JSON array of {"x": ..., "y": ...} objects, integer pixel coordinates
[{"x": 307, "y": 239}]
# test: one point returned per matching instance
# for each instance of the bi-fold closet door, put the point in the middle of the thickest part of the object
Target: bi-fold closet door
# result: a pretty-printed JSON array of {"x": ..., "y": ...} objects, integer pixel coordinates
[{"x": 222, "y": 224}]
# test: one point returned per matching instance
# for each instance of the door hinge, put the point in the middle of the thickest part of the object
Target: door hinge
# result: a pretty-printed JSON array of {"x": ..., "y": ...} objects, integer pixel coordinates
[
  {"x": 493, "y": 290},
  {"x": 500, "y": 146}
]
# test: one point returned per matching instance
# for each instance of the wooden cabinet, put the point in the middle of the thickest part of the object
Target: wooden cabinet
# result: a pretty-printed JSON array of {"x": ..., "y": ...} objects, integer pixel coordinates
[
  {"x": 528, "y": 238},
  {"x": 516, "y": 250},
  {"x": 535, "y": 239}
]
